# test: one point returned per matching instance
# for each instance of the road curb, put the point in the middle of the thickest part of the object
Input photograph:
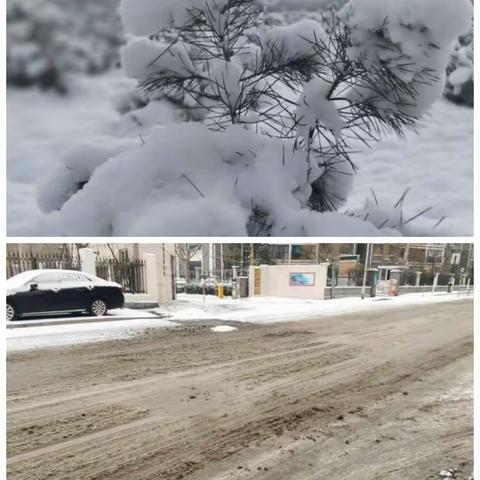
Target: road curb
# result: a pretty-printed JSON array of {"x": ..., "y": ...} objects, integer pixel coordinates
[{"x": 76, "y": 321}]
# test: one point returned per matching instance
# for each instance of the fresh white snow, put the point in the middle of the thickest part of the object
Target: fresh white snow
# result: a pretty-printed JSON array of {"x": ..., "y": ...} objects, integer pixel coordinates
[{"x": 436, "y": 164}]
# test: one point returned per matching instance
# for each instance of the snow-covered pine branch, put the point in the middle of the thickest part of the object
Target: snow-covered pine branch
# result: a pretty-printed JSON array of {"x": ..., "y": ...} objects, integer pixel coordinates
[{"x": 283, "y": 112}]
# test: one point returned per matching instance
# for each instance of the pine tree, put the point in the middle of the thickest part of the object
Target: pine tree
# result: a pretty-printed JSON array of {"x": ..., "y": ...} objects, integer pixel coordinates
[{"x": 283, "y": 111}]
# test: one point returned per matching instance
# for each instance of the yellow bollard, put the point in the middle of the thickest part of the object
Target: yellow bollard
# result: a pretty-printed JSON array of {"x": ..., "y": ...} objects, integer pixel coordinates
[{"x": 220, "y": 290}]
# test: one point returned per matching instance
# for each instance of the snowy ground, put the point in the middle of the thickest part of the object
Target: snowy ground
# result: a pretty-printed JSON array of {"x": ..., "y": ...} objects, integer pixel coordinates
[
  {"x": 436, "y": 164},
  {"x": 42, "y": 126},
  {"x": 60, "y": 335},
  {"x": 273, "y": 309},
  {"x": 191, "y": 308}
]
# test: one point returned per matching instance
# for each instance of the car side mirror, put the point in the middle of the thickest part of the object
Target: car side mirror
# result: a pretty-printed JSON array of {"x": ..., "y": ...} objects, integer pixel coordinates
[{"x": 33, "y": 286}]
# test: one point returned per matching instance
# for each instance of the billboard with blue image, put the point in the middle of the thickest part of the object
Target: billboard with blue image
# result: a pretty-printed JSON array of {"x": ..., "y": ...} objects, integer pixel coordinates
[{"x": 302, "y": 279}]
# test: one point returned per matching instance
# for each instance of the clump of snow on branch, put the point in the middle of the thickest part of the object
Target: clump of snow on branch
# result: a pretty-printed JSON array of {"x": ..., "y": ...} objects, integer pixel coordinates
[
  {"x": 294, "y": 41},
  {"x": 282, "y": 117},
  {"x": 315, "y": 107},
  {"x": 459, "y": 86},
  {"x": 411, "y": 39}
]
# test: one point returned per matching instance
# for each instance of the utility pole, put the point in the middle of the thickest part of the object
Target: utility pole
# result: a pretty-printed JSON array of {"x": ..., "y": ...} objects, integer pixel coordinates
[
  {"x": 241, "y": 259},
  {"x": 334, "y": 279},
  {"x": 365, "y": 270},
  {"x": 221, "y": 263},
  {"x": 211, "y": 260}
]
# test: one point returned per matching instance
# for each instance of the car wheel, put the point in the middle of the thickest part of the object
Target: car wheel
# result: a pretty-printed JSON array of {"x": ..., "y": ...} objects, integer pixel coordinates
[
  {"x": 98, "y": 307},
  {"x": 11, "y": 314}
]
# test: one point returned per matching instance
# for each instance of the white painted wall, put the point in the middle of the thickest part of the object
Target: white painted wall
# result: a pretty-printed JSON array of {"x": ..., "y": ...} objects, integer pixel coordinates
[
  {"x": 151, "y": 274},
  {"x": 87, "y": 260},
  {"x": 275, "y": 281},
  {"x": 159, "y": 283}
]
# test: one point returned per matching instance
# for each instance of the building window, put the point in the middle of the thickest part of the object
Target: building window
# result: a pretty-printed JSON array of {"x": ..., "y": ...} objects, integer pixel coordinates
[{"x": 455, "y": 260}]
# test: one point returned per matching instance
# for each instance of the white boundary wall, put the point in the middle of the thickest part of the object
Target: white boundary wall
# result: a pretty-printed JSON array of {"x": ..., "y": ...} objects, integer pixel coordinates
[
  {"x": 275, "y": 281},
  {"x": 159, "y": 263}
]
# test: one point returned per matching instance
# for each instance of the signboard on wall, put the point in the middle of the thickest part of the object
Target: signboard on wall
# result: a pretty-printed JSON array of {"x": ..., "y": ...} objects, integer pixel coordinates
[{"x": 301, "y": 279}]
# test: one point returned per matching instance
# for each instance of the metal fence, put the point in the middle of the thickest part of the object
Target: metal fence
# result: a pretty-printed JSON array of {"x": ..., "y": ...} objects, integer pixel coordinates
[
  {"x": 225, "y": 276},
  {"x": 130, "y": 274},
  {"x": 18, "y": 263}
]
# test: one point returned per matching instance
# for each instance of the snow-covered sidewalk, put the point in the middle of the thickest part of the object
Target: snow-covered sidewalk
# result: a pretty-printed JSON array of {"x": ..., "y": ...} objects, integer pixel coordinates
[
  {"x": 273, "y": 309},
  {"x": 77, "y": 333}
]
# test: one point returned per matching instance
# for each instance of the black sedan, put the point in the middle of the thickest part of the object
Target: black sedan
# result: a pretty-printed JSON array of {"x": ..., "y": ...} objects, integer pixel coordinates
[{"x": 54, "y": 292}]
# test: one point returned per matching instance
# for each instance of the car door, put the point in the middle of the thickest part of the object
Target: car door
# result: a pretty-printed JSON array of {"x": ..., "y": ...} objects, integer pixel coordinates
[
  {"x": 39, "y": 295},
  {"x": 76, "y": 291}
]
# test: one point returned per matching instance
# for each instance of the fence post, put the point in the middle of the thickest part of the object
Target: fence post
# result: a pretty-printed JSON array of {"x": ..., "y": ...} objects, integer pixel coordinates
[
  {"x": 87, "y": 260},
  {"x": 151, "y": 276}
]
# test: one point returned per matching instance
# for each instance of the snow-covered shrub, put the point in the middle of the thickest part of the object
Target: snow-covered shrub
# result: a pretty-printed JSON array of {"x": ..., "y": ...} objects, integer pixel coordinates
[
  {"x": 460, "y": 72},
  {"x": 49, "y": 39},
  {"x": 283, "y": 114}
]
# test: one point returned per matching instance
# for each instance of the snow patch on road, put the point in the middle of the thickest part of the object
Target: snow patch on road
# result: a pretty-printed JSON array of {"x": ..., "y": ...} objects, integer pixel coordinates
[{"x": 223, "y": 328}]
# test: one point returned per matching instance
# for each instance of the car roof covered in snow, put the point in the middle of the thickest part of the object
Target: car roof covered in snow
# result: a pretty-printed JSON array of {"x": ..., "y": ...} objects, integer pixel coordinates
[{"x": 24, "y": 277}]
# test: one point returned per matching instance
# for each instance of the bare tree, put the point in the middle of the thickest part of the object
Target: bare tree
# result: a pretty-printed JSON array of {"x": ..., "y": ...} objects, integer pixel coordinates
[{"x": 185, "y": 252}]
